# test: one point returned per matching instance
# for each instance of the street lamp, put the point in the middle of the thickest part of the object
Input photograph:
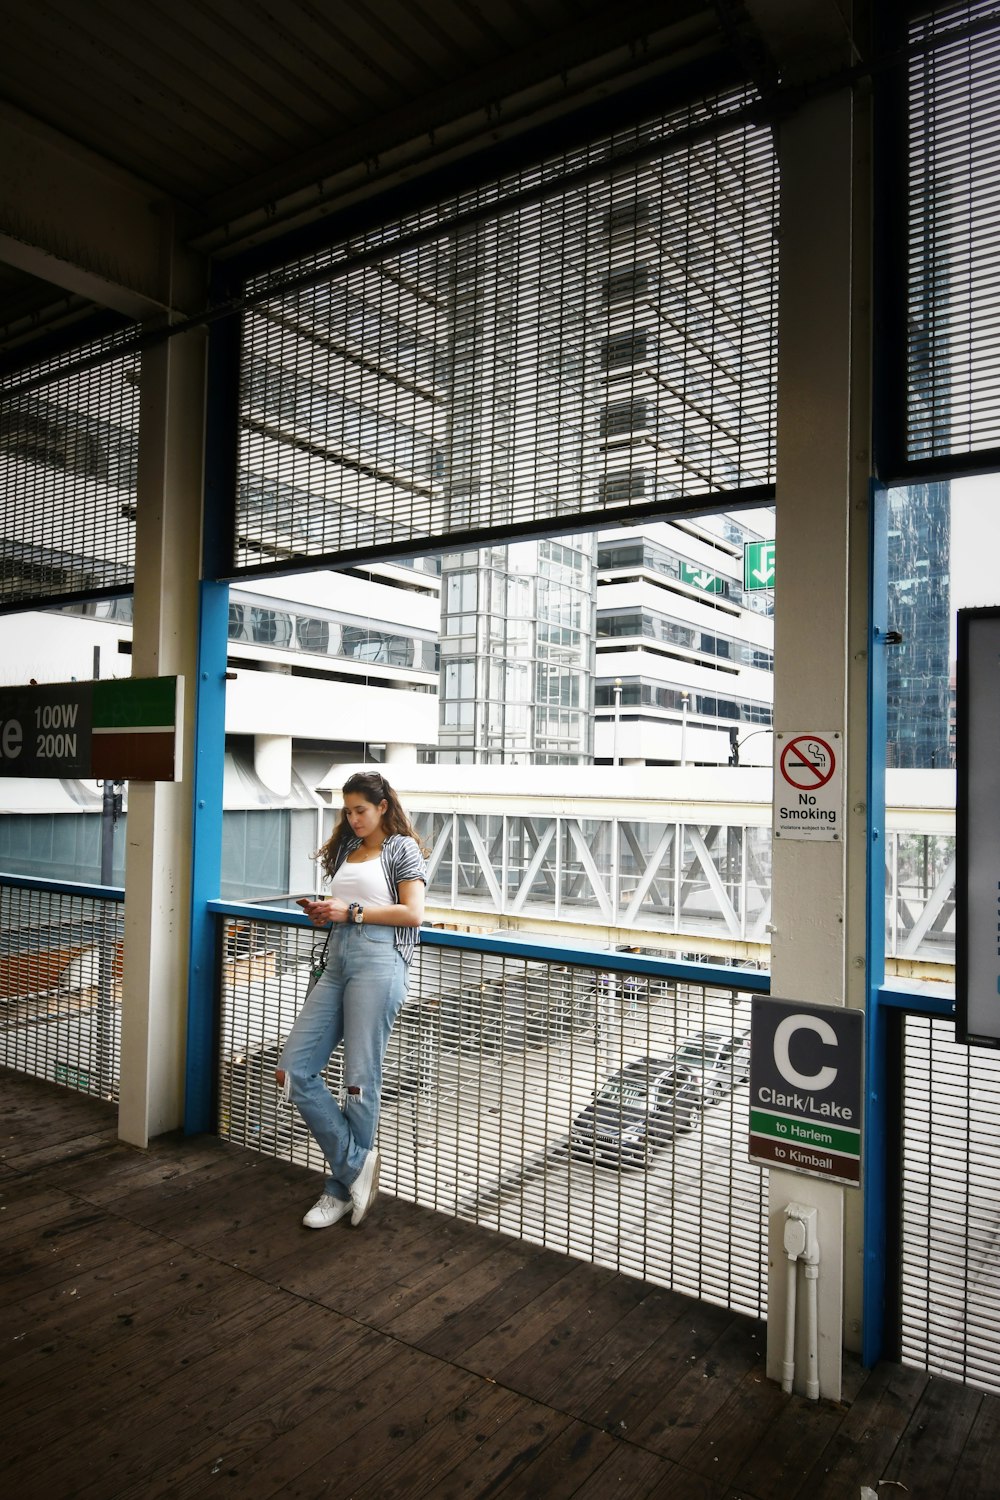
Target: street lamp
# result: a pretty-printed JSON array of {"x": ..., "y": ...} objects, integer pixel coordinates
[
  {"x": 684, "y": 727},
  {"x": 618, "y": 712},
  {"x": 108, "y": 969},
  {"x": 736, "y": 744},
  {"x": 111, "y": 811}
]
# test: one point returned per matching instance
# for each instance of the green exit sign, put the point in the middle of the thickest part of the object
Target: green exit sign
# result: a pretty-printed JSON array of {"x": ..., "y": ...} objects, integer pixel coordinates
[
  {"x": 758, "y": 565},
  {"x": 701, "y": 578}
]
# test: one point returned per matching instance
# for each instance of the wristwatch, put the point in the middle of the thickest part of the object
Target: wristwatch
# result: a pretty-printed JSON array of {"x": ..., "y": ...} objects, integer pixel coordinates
[{"x": 355, "y": 912}]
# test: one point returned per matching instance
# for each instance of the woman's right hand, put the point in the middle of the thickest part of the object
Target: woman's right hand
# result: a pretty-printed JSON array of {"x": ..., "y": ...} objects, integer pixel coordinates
[{"x": 320, "y": 913}]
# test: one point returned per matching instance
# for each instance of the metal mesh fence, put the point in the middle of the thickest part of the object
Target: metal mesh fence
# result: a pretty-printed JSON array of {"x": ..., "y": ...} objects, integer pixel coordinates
[
  {"x": 60, "y": 987},
  {"x": 540, "y": 1099},
  {"x": 950, "y": 1218},
  {"x": 580, "y": 339},
  {"x": 953, "y": 241},
  {"x": 68, "y": 467}
]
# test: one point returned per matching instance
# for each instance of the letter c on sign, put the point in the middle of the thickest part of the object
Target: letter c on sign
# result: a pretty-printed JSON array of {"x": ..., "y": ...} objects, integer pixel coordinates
[{"x": 783, "y": 1035}]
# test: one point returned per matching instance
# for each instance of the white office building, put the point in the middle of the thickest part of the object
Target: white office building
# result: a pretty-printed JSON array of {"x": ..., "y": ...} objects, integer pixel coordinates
[{"x": 685, "y": 660}]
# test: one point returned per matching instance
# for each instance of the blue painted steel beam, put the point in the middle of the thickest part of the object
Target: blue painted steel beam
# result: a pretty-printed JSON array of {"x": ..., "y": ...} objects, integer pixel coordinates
[
  {"x": 879, "y": 1130},
  {"x": 206, "y": 857},
  {"x": 248, "y": 911}
]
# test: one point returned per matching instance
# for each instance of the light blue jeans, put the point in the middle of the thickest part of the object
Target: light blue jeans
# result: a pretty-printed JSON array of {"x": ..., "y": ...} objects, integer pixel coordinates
[{"x": 355, "y": 1001}]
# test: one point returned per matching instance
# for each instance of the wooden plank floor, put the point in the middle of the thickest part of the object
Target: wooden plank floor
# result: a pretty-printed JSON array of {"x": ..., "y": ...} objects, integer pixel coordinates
[{"x": 167, "y": 1328}]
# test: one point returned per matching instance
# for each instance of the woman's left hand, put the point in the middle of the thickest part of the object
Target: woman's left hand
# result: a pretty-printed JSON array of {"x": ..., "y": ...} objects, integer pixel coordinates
[{"x": 320, "y": 913}]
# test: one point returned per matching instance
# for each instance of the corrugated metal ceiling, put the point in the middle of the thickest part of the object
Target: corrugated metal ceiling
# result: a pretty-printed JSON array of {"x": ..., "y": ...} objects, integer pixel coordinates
[
  {"x": 202, "y": 98},
  {"x": 234, "y": 107}
]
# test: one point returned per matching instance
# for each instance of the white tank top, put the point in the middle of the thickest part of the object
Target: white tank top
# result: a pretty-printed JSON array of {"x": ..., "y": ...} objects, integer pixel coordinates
[{"x": 364, "y": 882}]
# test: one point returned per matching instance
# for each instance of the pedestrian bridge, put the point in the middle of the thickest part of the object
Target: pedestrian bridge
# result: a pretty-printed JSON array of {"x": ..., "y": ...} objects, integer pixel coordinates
[{"x": 675, "y": 858}]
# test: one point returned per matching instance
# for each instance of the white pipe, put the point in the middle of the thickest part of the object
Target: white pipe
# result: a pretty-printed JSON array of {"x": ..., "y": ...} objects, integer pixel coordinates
[
  {"x": 800, "y": 1244},
  {"x": 812, "y": 1331},
  {"x": 788, "y": 1363}
]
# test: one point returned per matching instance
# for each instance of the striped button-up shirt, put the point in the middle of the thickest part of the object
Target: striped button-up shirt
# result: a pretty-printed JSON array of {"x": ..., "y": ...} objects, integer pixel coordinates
[{"x": 401, "y": 860}]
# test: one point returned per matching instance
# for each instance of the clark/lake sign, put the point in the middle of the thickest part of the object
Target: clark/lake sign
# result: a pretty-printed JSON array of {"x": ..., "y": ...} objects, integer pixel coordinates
[{"x": 806, "y": 1095}]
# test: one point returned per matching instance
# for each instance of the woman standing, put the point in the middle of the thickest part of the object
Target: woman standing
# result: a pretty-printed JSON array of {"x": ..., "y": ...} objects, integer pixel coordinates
[{"x": 377, "y": 879}]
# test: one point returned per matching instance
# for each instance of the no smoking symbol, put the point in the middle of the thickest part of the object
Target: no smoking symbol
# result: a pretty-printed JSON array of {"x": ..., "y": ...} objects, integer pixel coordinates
[{"x": 807, "y": 762}]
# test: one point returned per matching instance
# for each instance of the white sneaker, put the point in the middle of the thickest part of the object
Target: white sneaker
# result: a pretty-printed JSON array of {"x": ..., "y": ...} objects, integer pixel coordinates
[
  {"x": 326, "y": 1211},
  {"x": 364, "y": 1188}
]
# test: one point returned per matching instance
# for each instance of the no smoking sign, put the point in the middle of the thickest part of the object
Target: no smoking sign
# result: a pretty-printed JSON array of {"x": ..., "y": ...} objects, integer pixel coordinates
[{"x": 809, "y": 786}]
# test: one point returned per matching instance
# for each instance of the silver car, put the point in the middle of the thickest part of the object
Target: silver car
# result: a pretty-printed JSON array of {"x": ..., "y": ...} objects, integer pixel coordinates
[{"x": 719, "y": 1061}]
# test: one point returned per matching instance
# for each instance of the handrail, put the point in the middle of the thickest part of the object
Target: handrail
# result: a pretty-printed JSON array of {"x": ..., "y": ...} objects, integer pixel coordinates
[
  {"x": 897, "y": 995},
  {"x": 63, "y": 887},
  {"x": 545, "y": 952}
]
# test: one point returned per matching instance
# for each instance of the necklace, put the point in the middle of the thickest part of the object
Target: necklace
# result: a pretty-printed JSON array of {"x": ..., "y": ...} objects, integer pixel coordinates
[{"x": 366, "y": 852}]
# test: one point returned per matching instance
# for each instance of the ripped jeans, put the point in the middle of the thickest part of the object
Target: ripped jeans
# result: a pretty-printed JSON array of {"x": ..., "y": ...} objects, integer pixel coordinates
[{"x": 356, "y": 1001}]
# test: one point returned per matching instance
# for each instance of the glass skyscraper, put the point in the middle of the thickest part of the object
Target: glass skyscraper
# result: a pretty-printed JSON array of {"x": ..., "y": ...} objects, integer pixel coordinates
[
  {"x": 517, "y": 653},
  {"x": 919, "y": 667}
]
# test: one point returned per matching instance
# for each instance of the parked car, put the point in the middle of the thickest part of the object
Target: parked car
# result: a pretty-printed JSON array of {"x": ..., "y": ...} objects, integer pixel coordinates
[
  {"x": 528, "y": 1009},
  {"x": 719, "y": 1060},
  {"x": 636, "y": 1111}
]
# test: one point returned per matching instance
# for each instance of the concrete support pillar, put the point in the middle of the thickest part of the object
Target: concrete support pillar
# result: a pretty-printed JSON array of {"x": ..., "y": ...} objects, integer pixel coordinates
[
  {"x": 400, "y": 755},
  {"x": 272, "y": 761},
  {"x": 305, "y": 837},
  {"x": 159, "y": 858},
  {"x": 821, "y": 631}
]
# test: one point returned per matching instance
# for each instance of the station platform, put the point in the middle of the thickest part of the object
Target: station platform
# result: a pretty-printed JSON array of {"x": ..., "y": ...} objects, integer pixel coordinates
[{"x": 168, "y": 1328}]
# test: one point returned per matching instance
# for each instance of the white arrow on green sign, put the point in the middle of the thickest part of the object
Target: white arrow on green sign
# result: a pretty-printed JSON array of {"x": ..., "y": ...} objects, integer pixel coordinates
[
  {"x": 701, "y": 578},
  {"x": 758, "y": 565}
]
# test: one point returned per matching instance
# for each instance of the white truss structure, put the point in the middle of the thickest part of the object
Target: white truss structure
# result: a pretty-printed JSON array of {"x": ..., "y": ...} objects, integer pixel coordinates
[{"x": 681, "y": 882}]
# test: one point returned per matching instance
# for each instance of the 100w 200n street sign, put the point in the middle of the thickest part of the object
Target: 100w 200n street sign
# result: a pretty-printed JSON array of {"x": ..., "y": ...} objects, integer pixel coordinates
[{"x": 120, "y": 729}]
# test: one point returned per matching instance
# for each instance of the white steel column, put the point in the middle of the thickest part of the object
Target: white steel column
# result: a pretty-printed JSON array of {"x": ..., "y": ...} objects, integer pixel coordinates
[
  {"x": 158, "y": 865},
  {"x": 818, "y": 939}
]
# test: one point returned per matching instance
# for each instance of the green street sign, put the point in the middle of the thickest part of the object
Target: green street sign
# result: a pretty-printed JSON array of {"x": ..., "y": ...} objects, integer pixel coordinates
[
  {"x": 758, "y": 565},
  {"x": 782, "y": 1127},
  {"x": 134, "y": 733},
  {"x": 701, "y": 578}
]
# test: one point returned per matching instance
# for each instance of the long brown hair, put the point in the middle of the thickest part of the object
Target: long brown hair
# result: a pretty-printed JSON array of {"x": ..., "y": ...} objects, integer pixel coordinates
[{"x": 375, "y": 789}]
